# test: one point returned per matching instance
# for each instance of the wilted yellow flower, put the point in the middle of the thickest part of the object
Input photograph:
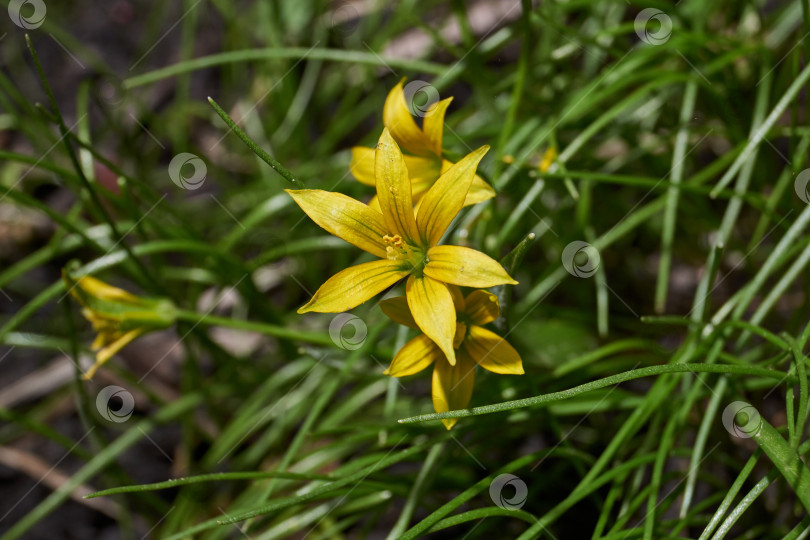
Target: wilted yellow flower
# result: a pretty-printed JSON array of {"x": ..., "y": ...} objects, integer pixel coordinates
[
  {"x": 118, "y": 316},
  {"x": 425, "y": 164},
  {"x": 406, "y": 243},
  {"x": 474, "y": 344}
]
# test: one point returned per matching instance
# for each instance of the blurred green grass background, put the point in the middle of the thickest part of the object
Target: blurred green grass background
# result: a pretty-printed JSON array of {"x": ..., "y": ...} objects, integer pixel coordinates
[{"x": 681, "y": 139}]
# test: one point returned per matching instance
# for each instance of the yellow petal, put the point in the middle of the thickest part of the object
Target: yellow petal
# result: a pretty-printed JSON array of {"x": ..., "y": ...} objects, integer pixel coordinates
[
  {"x": 98, "y": 322},
  {"x": 344, "y": 217},
  {"x": 458, "y": 298},
  {"x": 433, "y": 125},
  {"x": 394, "y": 189},
  {"x": 96, "y": 288},
  {"x": 480, "y": 191},
  {"x": 362, "y": 165},
  {"x": 548, "y": 159},
  {"x": 492, "y": 352},
  {"x": 418, "y": 190},
  {"x": 101, "y": 339},
  {"x": 443, "y": 201},
  {"x": 423, "y": 175},
  {"x": 415, "y": 356},
  {"x": 432, "y": 308},
  {"x": 398, "y": 311},
  {"x": 465, "y": 267},
  {"x": 374, "y": 204},
  {"x": 110, "y": 350},
  {"x": 351, "y": 287},
  {"x": 398, "y": 120},
  {"x": 423, "y": 169},
  {"x": 482, "y": 307},
  {"x": 453, "y": 386},
  {"x": 461, "y": 333}
]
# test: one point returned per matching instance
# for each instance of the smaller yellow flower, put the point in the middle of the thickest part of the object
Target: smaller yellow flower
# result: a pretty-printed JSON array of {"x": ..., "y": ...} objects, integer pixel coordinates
[
  {"x": 548, "y": 159},
  {"x": 425, "y": 163},
  {"x": 118, "y": 316},
  {"x": 474, "y": 344}
]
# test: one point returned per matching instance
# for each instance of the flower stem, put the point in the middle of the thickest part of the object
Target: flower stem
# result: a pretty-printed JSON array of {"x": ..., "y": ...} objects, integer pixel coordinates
[
  {"x": 267, "y": 158},
  {"x": 602, "y": 383},
  {"x": 786, "y": 460},
  {"x": 195, "y": 318}
]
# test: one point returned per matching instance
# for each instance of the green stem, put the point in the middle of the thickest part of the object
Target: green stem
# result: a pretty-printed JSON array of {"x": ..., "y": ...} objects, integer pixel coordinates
[
  {"x": 255, "y": 148},
  {"x": 195, "y": 318},
  {"x": 601, "y": 383},
  {"x": 333, "y": 55},
  {"x": 764, "y": 129},
  {"x": 213, "y": 477},
  {"x": 482, "y": 513},
  {"x": 673, "y": 194},
  {"x": 786, "y": 460},
  {"x": 286, "y": 502},
  {"x": 426, "y": 473},
  {"x": 520, "y": 82}
]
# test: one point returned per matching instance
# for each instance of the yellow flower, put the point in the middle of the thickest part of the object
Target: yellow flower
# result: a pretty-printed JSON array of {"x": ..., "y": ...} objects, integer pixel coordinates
[
  {"x": 405, "y": 243},
  {"x": 425, "y": 164},
  {"x": 548, "y": 159},
  {"x": 119, "y": 317},
  {"x": 474, "y": 344}
]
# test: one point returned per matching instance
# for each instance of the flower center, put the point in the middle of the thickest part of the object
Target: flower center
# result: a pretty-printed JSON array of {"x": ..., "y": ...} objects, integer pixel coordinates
[
  {"x": 395, "y": 240},
  {"x": 398, "y": 249},
  {"x": 395, "y": 248}
]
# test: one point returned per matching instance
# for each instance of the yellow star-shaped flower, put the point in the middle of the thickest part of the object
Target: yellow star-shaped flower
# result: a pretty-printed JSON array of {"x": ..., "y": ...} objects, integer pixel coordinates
[
  {"x": 425, "y": 163},
  {"x": 473, "y": 344},
  {"x": 405, "y": 241}
]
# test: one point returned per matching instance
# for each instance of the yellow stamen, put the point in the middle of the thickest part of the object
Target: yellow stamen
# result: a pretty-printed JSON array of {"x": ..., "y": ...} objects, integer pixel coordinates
[
  {"x": 395, "y": 240},
  {"x": 396, "y": 248}
]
